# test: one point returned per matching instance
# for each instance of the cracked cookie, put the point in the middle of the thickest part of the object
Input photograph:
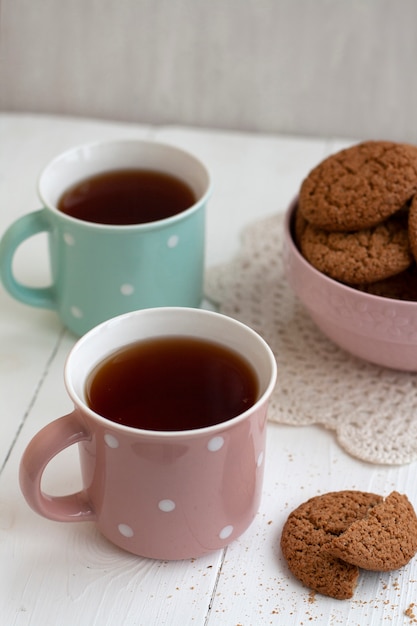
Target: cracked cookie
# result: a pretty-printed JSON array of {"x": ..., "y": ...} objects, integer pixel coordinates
[
  {"x": 329, "y": 538},
  {"x": 308, "y": 531},
  {"x": 384, "y": 540},
  {"x": 360, "y": 186},
  {"x": 364, "y": 256}
]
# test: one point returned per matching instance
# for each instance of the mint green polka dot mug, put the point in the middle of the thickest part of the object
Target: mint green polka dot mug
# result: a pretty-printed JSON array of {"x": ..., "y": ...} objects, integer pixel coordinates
[{"x": 101, "y": 270}]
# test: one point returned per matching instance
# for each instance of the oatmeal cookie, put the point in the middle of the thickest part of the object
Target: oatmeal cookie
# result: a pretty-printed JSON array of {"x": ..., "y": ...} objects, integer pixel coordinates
[
  {"x": 364, "y": 256},
  {"x": 402, "y": 286},
  {"x": 384, "y": 540},
  {"x": 412, "y": 226},
  {"x": 299, "y": 226},
  {"x": 360, "y": 186},
  {"x": 311, "y": 527}
]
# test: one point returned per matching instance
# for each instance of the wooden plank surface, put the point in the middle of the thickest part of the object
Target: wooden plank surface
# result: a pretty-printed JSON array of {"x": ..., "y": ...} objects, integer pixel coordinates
[{"x": 69, "y": 574}]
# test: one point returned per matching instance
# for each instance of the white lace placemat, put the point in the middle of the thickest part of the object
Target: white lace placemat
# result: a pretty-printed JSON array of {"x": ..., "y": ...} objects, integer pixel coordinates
[{"x": 373, "y": 410}]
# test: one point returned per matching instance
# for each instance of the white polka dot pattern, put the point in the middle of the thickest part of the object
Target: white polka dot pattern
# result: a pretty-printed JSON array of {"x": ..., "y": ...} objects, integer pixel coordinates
[
  {"x": 215, "y": 444},
  {"x": 173, "y": 241},
  {"x": 76, "y": 312},
  {"x": 226, "y": 532},
  {"x": 126, "y": 530},
  {"x": 166, "y": 506},
  {"x": 69, "y": 239},
  {"x": 111, "y": 441},
  {"x": 127, "y": 289}
]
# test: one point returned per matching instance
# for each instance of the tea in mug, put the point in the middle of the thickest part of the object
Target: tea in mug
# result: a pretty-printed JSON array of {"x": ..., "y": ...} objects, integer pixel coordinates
[
  {"x": 171, "y": 384},
  {"x": 130, "y": 196}
]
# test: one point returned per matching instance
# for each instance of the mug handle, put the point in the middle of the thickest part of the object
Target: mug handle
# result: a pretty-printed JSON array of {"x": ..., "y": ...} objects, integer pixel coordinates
[
  {"x": 23, "y": 228},
  {"x": 46, "y": 444}
]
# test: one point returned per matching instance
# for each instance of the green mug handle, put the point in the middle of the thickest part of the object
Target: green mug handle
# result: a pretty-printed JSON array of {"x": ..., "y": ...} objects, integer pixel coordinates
[{"x": 23, "y": 228}]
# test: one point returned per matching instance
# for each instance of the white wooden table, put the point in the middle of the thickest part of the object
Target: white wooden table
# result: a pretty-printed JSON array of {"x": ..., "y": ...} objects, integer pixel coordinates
[{"x": 67, "y": 574}]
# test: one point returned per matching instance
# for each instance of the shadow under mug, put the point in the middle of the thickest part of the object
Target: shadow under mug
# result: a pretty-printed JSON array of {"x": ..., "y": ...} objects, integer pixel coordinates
[
  {"x": 100, "y": 271},
  {"x": 158, "y": 494}
]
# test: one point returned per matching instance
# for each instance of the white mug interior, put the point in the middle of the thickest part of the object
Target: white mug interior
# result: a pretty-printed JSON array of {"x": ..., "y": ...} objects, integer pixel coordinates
[
  {"x": 126, "y": 329},
  {"x": 88, "y": 160}
]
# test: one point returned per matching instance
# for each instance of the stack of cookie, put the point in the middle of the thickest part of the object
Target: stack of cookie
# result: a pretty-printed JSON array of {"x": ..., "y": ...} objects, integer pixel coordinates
[
  {"x": 327, "y": 539},
  {"x": 357, "y": 218}
]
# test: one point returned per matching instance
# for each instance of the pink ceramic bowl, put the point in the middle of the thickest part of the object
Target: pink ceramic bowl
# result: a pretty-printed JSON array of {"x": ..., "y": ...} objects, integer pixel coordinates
[{"x": 379, "y": 330}]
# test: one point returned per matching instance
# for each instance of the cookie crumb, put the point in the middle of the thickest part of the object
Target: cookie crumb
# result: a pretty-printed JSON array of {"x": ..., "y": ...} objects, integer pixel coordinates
[{"x": 409, "y": 612}]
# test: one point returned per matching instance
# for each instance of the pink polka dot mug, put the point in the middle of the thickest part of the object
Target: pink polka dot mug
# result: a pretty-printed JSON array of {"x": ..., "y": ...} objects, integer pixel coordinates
[{"x": 159, "y": 494}]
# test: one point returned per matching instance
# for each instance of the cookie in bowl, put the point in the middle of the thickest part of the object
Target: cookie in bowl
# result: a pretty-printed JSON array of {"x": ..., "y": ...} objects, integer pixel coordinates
[
  {"x": 356, "y": 275},
  {"x": 363, "y": 256},
  {"x": 360, "y": 186}
]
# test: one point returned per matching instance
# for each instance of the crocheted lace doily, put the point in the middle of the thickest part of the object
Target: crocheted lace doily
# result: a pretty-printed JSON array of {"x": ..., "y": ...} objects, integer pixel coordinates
[{"x": 371, "y": 409}]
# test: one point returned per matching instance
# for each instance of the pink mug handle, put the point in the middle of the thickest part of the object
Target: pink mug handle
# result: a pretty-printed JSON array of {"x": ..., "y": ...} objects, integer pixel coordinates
[{"x": 46, "y": 444}]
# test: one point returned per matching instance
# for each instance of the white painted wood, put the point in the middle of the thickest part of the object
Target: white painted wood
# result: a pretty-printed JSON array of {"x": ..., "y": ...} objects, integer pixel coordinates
[
  {"x": 29, "y": 336},
  {"x": 69, "y": 574}
]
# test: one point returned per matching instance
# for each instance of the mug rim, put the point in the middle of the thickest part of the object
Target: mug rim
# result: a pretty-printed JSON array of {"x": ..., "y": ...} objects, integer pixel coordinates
[
  {"x": 82, "y": 406},
  {"x": 161, "y": 223}
]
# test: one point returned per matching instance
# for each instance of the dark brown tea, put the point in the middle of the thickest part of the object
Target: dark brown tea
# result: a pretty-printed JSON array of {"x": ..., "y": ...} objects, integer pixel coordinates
[
  {"x": 131, "y": 196},
  {"x": 172, "y": 383}
]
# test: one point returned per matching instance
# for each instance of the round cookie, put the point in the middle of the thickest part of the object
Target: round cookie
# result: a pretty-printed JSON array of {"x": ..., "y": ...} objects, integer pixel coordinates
[
  {"x": 402, "y": 286},
  {"x": 299, "y": 226},
  {"x": 412, "y": 226},
  {"x": 364, "y": 256},
  {"x": 360, "y": 186},
  {"x": 384, "y": 540},
  {"x": 308, "y": 531}
]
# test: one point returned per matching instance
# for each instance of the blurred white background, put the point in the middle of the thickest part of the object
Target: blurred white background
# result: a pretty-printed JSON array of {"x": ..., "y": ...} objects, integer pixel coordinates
[{"x": 308, "y": 67}]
